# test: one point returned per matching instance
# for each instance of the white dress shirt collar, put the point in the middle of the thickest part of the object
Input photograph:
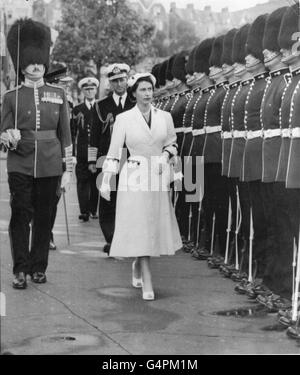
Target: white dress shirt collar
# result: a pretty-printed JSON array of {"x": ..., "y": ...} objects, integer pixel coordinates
[
  {"x": 116, "y": 98},
  {"x": 89, "y": 104}
]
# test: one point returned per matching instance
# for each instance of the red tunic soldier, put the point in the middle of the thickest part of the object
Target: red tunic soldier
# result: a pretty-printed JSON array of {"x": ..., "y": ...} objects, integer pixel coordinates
[{"x": 35, "y": 128}]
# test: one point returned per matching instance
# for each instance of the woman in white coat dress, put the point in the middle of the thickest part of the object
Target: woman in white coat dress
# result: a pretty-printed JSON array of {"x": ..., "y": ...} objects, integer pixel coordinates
[{"x": 145, "y": 219}]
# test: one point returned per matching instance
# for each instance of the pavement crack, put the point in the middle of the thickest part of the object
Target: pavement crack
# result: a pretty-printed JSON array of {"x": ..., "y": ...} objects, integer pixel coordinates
[{"x": 83, "y": 319}]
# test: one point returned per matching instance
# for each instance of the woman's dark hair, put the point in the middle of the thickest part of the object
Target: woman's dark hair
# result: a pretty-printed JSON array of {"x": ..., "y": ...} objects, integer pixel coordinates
[{"x": 133, "y": 89}]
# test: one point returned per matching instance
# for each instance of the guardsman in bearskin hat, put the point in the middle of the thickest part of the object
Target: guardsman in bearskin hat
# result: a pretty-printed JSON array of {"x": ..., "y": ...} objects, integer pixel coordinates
[
  {"x": 163, "y": 92},
  {"x": 186, "y": 131},
  {"x": 270, "y": 121},
  {"x": 84, "y": 117},
  {"x": 238, "y": 141},
  {"x": 156, "y": 96},
  {"x": 226, "y": 133},
  {"x": 287, "y": 200},
  {"x": 35, "y": 129},
  {"x": 215, "y": 187},
  {"x": 107, "y": 110},
  {"x": 201, "y": 72},
  {"x": 252, "y": 158},
  {"x": 182, "y": 93}
]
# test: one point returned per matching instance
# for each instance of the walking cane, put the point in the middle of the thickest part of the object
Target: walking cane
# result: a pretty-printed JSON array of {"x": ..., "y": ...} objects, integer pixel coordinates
[
  {"x": 251, "y": 236},
  {"x": 66, "y": 215},
  {"x": 297, "y": 280},
  {"x": 212, "y": 235},
  {"x": 228, "y": 230}
]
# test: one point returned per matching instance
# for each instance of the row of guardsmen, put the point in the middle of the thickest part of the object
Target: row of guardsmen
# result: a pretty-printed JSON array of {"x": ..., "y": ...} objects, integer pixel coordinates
[{"x": 235, "y": 100}]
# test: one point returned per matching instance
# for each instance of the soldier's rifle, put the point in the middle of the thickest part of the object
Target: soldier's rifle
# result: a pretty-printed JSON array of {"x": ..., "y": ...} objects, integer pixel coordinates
[
  {"x": 237, "y": 228},
  {"x": 228, "y": 230},
  {"x": 212, "y": 234},
  {"x": 297, "y": 281},
  {"x": 251, "y": 236}
]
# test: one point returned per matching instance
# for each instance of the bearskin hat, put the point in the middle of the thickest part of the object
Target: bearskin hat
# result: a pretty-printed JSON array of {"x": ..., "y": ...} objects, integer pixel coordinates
[
  {"x": 162, "y": 73},
  {"x": 155, "y": 72},
  {"x": 227, "y": 47},
  {"x": 34, "y": 43},
  {"x": 239, "y": 44},
  {"x": 254, "y": 44},
  {"x": 270, "y": 40},
  {"x": 216, "y": 52},
  {"x": 169, "y": 75},
  {"x": 288, "y": 26},
  {"x": 178, "y": 69},
  {"x": 189, "y": 66},
  {"x": 202, "y": 54}
]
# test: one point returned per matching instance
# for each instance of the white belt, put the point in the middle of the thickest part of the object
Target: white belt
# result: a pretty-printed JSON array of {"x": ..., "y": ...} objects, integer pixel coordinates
[
  {"x": 226, "y": 135},
  {"x": 188, "y": 129},
  {"x": 179, "y": 130},
  {"x": 239, "y": 134},
  {"x": 251, "y": 134},
  {"x": 270, "y": 133},
  {"x": 285, "y": 133},
  {"x": 212, "y": 129},
  {"x": 198, "y": 132},
  {"x": 295, "y": 132}
]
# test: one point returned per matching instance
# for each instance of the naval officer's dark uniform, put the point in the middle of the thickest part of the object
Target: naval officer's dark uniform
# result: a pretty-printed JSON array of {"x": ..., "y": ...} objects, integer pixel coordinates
[{"x": 99, "y": 145}]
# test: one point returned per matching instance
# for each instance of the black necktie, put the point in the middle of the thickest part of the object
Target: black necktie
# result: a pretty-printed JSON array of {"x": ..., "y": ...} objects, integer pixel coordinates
[{"x": 120, "y": 108}]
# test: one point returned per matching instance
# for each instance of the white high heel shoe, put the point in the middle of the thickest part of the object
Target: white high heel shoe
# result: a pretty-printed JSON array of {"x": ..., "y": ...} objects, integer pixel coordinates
[
  {"x": 136, "y": 283},
  {"x": 147, "y": 296}
]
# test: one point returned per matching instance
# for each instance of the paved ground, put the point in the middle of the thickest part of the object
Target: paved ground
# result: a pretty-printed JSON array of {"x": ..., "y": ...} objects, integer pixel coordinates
[{"x": 89, "y": 307}]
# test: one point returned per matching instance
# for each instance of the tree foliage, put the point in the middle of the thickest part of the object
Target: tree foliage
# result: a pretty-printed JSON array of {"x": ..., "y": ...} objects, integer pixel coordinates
[{"x": 90, "y": 29}]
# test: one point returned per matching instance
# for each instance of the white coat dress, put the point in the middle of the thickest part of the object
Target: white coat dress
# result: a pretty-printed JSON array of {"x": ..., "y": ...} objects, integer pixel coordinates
[{"x": 145, "y": 219}]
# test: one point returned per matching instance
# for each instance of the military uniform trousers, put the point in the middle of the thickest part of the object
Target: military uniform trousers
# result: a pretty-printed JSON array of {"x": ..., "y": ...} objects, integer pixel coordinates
[
  {"x": 216, "y": 196},
  {"x": 284, "y": 205},
  {"x": 31, "y": 201},
  {"x": 87, "y": 191}
]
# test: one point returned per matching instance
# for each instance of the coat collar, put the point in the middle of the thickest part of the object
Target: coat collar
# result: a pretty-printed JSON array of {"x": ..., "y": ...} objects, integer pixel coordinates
[{"x": 141, "y": 119}]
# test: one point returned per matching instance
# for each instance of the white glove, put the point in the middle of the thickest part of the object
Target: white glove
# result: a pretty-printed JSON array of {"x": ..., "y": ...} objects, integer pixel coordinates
[
  {"x": 74, "y": 161},
  {"x": 105, "y": 190},
  {"x": 10, "y": 138},
  {"x": 65, "y": 181}
]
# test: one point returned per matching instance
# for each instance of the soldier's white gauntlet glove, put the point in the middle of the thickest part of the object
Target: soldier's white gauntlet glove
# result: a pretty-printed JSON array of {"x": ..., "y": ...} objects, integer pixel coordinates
[
  {"x": 66, "y": 181},
  {"x": 10, "y": 138}
]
